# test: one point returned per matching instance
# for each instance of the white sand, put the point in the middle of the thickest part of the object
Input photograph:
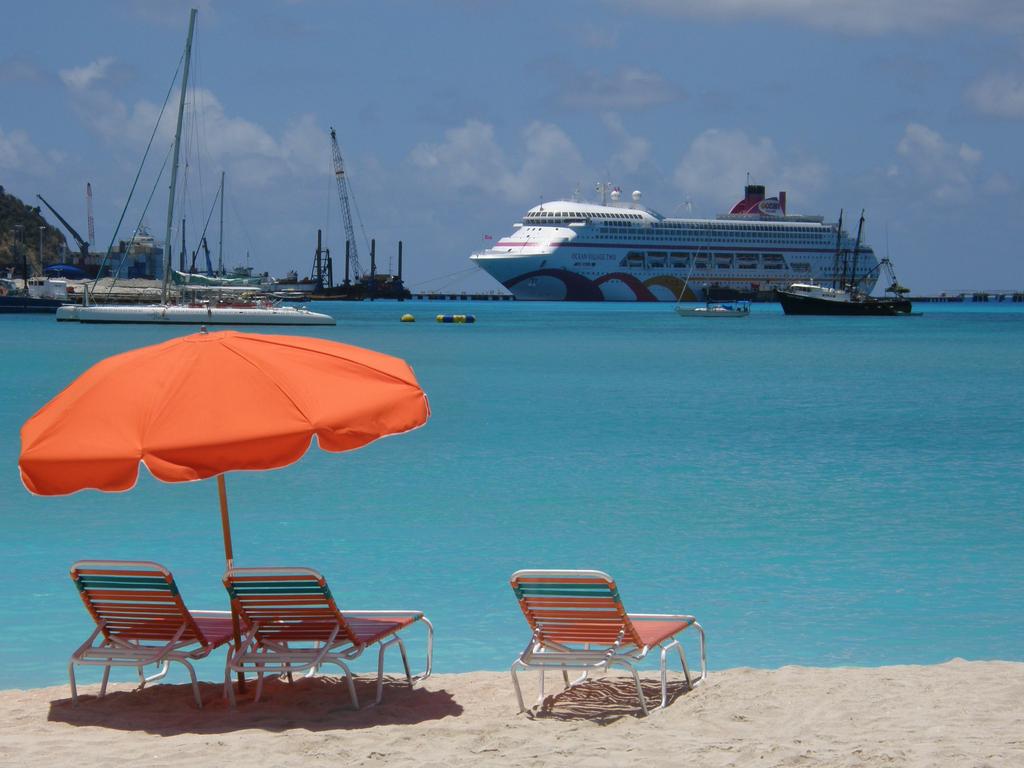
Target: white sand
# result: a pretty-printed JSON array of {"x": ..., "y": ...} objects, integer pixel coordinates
[{"x": 954, "y": 714}]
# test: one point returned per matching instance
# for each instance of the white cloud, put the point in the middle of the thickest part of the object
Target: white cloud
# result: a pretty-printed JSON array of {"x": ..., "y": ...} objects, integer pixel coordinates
[
  {"x": 18, "y": 153},
  {"x": 635, "y": 149},
  {"x": 716, "y": 164},
  {"x": 859, "y": 16},
  {"x": 998, "y": 94},
  {"x": 947, "y": 169},
  {"x": 252, "y": 156},
  {"x": 82, "y": 78},
  {"x": 470, "y": 158}
]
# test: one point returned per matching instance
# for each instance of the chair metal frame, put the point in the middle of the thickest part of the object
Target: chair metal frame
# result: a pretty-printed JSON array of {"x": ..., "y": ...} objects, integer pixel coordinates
[
  {"x": 262, "y": 655},
  {"x": 104, "y": 648},
  {"x": 625, "y": 652}
]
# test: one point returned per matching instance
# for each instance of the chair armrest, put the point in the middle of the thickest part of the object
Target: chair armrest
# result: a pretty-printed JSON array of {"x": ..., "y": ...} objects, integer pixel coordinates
[{"x": 663, "y": 616}]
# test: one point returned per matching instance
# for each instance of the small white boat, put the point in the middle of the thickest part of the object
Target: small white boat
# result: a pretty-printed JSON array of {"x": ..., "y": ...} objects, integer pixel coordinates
[{"x": 716, "y": 309}]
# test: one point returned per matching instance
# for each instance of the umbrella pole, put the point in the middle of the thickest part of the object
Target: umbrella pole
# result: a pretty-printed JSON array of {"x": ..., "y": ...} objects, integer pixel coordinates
[{"x": 229, "y": 556}]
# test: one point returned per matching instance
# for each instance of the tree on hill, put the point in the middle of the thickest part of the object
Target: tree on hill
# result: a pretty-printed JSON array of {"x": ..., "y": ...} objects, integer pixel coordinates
[{"x": 14, "y": 214}]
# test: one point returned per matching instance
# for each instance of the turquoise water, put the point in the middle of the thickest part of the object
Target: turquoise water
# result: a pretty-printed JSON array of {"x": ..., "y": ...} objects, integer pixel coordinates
[{"x": 815, "y": 490}]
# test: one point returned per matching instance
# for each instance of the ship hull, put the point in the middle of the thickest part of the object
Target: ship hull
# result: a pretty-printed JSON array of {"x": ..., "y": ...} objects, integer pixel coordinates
[
  {"x": 528, "y": 280},
  {"x": 22, "y": 304},
  {"x": 794, "y": 304}
]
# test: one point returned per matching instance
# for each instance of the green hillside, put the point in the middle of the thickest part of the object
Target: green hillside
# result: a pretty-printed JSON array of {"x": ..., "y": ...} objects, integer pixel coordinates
[{"x": 13, "y": 212}]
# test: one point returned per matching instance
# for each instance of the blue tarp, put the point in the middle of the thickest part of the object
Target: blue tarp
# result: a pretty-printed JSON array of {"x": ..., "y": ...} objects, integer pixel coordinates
[{"x": 65, "y": 270}]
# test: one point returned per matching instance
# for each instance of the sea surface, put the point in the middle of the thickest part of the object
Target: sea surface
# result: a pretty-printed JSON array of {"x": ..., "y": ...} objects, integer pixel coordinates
[{"x": 817, "y": 491}]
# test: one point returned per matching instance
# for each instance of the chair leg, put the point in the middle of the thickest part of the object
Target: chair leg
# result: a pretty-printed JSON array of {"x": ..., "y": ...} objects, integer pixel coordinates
[
  {"x": 103, "y": 685},
  {"x": 351, "y": 685},
  {"x": 703, "y": 655},
  {"x": 74, "y": 688},
  {"x": 686, "y": 668},
  {"x": 195, "y": 683},
  {"x": 380, "y": 670},
  {"x": 229, "y": 688},
  {"x": 515, "y": 684},
  {"x": 405, "y": 662},
  {"x": 636, "y": 682},
  {"x": 664, "y": 678},
  {"x": 430, "y": 648}
]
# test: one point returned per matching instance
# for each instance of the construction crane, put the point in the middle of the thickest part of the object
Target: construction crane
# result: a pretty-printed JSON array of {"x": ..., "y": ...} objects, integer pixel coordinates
[
  {"x": 343, "y": 195},
  {"x": 83, "y": 246},
  {"x": 88, "y": 210}
]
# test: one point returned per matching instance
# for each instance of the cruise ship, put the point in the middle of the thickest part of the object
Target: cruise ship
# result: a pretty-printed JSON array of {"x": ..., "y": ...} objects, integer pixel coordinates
[{"x": 620, "y": 250}]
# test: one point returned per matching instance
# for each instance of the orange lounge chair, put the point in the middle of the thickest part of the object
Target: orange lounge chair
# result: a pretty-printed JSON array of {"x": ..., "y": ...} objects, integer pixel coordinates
[
  {"x": 295, "y": 626},
  {"x": 140, "y": 620},
  {"x": 578, "y": 622}
]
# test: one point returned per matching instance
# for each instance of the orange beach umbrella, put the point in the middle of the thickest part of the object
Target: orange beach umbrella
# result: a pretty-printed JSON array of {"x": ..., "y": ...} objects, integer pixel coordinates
[{"x": 201, "y": 405}]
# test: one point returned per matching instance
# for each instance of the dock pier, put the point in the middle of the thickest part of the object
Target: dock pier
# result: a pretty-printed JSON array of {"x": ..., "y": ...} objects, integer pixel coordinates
[
  {"x": 462, "y": 296},
  {"x": 972, "y": 297}
]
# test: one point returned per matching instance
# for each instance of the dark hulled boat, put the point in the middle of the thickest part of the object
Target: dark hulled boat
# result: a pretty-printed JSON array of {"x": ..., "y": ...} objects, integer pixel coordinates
[
  {"x": 815, "y": 299},
  {"x": 811, "y": 299}
]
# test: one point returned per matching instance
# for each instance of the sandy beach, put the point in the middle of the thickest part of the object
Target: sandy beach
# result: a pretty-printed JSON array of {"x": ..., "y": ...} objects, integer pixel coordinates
[{"x": 957, "y": 713}]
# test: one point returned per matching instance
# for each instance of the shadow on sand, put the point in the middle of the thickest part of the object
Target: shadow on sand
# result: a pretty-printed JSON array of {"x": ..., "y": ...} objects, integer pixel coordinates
[
  {"x": 314, "y": 704},
  {"x": 605, "y": 700}
]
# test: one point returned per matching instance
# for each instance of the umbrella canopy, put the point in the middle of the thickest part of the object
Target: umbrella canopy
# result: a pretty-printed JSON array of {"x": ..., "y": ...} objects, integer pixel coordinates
[{"x": 205, "y": 404}]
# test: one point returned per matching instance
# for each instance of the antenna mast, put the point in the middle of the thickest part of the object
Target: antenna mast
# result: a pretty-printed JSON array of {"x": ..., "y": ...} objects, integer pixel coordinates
[
  {"x": 220, "y": 242},
  {"x": 343, "y": 196},
  {"x": 835, "y": 261},
  {"x": 856, "y": 251},
  {"x": 174, "y": 163}
]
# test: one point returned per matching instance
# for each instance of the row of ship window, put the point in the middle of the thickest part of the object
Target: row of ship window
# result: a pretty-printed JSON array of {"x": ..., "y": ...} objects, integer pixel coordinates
[
  {"x": 614, "y": 233},
  {"x": 729, "y": 230},
  {"x": 661, "y": 260}
]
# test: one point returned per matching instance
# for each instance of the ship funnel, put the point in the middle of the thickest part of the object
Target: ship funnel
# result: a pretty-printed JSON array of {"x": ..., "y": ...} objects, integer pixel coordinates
[{"x": 782, "y": 201}]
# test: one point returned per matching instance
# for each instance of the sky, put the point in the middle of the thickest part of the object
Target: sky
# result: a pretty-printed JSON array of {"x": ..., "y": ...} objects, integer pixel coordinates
[{"x": 454, "y": 117}]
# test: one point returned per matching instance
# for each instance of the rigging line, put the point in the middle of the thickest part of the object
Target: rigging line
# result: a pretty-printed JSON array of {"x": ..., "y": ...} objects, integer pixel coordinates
[
  {"x": 213, "y": 206},
  {"x": 142, "y": 217},
  {"x": 145, "y": 154},
  {"x": 327, "y": 207},
  {"x": 198, "y": 119},
  {"x": 445, "y": 277},
  {"x": 355, "y": 204},
  {"x": 241, "y": 225}
]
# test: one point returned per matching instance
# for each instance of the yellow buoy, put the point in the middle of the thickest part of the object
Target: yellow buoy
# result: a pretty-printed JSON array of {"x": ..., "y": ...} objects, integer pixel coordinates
[{"x": 407, "y": 318}]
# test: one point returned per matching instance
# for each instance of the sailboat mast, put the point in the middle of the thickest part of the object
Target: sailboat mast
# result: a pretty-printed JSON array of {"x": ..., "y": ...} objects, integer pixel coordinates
[
  {"x": 856, "y": 250},
  {"x": 839, "y": 236},
  {"x": 220, "y": 244},
  {"x": 174, "y": 164}
]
